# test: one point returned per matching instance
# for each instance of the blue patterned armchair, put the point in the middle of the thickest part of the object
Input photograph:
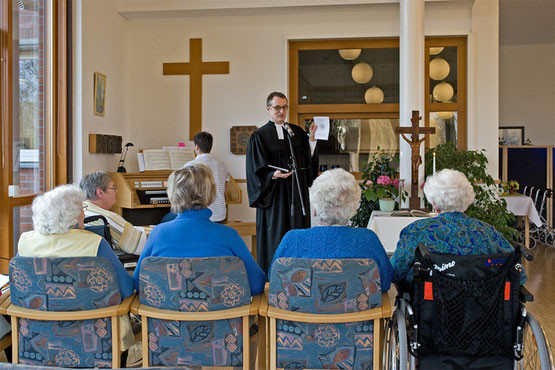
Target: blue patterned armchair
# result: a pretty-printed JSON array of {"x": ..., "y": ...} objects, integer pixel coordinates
[
  {"x": 65, "y": 312},
  {"x": 195, "y": 311},
  {"x": 325, "y": 314}
]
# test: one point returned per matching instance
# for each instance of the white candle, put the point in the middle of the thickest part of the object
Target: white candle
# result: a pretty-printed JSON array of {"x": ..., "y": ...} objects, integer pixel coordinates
[{"x": 434, "y": 166}]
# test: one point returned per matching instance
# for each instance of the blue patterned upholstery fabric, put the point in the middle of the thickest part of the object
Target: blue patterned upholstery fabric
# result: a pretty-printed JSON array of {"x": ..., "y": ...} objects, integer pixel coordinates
[
  {"x": 325, "y": 286},
  {"x": 64, "y": 284},
  {"x": 194, "y": 285}
]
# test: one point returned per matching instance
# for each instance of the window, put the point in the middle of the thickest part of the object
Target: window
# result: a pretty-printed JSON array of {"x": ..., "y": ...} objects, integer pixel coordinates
[
  {"x": 356, "y": 84},
  {"x": 33, "y": 110}
]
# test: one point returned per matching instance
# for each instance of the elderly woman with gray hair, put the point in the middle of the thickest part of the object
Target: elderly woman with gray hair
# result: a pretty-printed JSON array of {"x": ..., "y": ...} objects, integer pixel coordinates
[
  {"x": 191, "y": 234},
  {"x": 58, "y": 217},
  {"x": 335, "y": 196},
  {"x": 451, "y": 232}
]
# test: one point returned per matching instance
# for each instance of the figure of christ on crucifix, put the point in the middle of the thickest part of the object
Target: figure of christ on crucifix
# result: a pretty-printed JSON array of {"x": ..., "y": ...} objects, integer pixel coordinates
[
  {"x": 416, "y": 159},
  {"x": 195, "y": 69}
]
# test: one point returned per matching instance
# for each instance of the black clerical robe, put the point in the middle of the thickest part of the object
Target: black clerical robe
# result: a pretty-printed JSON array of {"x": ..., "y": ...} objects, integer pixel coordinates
[{"x": 272, "y": 197}]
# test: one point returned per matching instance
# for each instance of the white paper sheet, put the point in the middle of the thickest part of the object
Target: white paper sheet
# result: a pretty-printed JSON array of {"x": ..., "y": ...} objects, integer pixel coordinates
[
  {"x": 178, "y": 158},
  {"x": 323, "y": 128}
]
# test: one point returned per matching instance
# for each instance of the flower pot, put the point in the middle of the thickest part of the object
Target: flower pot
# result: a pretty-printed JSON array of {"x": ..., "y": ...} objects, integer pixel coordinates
[{"x": 387, "y": 204}]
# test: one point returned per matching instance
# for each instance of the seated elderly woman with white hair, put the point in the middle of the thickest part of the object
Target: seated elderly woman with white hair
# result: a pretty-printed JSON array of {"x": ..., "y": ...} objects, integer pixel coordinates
[
  {"x": 335, "y": 196},
  {"x": 451, "y": 232},
  {"x": 58, "y": 217}
]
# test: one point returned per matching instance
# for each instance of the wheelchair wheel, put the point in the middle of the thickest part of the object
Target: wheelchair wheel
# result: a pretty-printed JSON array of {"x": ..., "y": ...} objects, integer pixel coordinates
[
  {"x": 550, "y": 239},
  {"x": 542, "y": 236},
  {"x": 396, "y": 343},
  {"x": 536, "y": 353},
  {"x": 533, "y": 243}
]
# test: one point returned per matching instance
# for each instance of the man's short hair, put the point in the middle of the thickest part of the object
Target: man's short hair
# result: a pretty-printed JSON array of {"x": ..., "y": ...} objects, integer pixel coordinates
[
  {"x": 204, "y": 141},
  {"x": 273, "y": 95},
  {"x": 89, "y": 183}
]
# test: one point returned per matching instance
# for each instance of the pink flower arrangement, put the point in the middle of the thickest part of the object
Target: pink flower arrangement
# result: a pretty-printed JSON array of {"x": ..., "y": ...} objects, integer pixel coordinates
[
  {"x": 384, "y": 180},
  {"x": 385, "y": 187}
]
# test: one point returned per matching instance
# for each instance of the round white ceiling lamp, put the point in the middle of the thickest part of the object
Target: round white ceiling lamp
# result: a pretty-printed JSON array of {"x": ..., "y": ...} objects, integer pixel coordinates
[
  {"x": 362, "y": 73},
  {"x": 443, "y": 91},
  {"x": 374, "y": 95},
  {"x": 439, "y": 69},
  {"x": 349, "y": 54},
  {"x": 436, "y": 50},
  {"x": 445, "y": 115}
]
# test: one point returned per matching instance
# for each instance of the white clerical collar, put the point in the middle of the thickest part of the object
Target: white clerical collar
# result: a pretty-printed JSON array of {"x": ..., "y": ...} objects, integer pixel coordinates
[{"x": 279, "y": 131}]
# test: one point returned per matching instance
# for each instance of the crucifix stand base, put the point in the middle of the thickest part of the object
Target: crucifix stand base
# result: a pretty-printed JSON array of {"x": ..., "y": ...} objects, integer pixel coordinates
[{"x": 414, "y": 202}]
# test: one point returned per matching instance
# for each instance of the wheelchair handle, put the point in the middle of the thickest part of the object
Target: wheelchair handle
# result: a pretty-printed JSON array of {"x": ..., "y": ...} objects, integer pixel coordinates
[{"x": 525, "y": 252}]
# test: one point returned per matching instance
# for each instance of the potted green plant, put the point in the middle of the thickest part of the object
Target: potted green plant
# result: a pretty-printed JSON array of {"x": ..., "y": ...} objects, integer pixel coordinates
[
  {"x": 487, "y": 206},
  {"x": 380, "y": 164},
  {"x": 385, "y": 190}
]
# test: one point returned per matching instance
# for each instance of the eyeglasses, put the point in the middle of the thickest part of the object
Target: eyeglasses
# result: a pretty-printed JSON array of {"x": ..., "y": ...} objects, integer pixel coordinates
[
  {"x": 277, "y": 108},
  {"x": 84, "y": 207},
  {"x": 114, "y": 188}
]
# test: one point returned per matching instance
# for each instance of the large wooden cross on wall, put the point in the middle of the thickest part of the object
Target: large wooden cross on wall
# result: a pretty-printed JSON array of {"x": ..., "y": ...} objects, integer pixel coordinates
[
  {"x": 195, "y": 69},
  {"x": 416, "y": 160}
]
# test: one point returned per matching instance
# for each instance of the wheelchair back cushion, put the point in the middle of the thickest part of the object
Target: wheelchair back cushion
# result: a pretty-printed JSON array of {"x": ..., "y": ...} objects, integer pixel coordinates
[
  {"x": 64, "y": 284},
  {"x": 325, "y": 286},
  {"x": 468, "y": 305},
  {"x": 194, "y": 285}
]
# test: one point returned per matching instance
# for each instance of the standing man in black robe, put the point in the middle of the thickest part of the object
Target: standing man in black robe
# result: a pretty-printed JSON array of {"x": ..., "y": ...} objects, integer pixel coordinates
[{"x": 273, "y": 192}]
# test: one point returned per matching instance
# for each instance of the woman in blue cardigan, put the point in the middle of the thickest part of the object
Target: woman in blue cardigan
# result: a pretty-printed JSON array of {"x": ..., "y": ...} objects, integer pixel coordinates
[
  {"x": 335, "y": 196},
  {"x": 191, "y": 234}
]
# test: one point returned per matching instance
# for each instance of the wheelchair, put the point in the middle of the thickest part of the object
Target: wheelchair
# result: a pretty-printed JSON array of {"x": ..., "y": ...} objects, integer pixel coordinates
[{"x": 465, "y": 312}]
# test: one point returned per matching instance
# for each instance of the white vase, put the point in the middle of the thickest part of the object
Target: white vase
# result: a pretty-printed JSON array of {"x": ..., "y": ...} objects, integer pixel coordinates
[{"x": 387, "y": 204}]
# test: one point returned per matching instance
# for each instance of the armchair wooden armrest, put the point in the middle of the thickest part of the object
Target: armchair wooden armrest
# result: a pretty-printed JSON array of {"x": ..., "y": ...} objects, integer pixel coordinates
[
  {"x": 125, "y": 305},
  {"x": 158, "y": 313},
  {"x": 5, "y": 302},
  {"x": 383, "y": 311},
  {"x": 255, "y": 304},
  {"x": 27, "y": 313},
  {"x": 134, "y": 309}
]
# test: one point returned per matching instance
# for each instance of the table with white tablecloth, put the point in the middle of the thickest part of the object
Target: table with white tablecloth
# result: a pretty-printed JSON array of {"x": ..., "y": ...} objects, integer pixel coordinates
[
  {"x": 388, "y": 228},
  {"x": 523, "y": 206}
]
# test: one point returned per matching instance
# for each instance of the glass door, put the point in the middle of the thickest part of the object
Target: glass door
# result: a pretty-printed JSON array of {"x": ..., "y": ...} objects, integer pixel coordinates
[{"x": 28, "y": 112}]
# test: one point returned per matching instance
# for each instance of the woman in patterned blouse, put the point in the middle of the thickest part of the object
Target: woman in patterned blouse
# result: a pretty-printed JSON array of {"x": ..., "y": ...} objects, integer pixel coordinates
[{"x": 451, "y": 232}]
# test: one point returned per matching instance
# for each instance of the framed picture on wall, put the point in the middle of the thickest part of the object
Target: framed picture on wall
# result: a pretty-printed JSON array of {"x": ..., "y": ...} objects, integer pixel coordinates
[
  {"x": 99, "y": 102},
  {"x": 511, "y": 135}
]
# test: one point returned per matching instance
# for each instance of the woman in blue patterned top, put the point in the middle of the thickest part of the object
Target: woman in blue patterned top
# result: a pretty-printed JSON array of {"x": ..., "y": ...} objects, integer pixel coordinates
[
  {"x": 335, "y": 196},
  {"x": 451, "y": 232}
]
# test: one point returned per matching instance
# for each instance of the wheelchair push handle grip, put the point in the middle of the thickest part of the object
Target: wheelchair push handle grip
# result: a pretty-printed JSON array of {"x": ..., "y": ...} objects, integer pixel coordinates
[{"x": 525, "y": 252}]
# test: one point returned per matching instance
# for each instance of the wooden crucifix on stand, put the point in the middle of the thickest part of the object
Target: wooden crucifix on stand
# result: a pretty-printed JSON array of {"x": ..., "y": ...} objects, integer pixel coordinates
[
  {"x": 416, "y": 160},
  {"x": 195, "y": 69}
]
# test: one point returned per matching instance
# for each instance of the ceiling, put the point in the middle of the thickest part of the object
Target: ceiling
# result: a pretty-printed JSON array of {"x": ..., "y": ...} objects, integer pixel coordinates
[{"x": 523, "y": 22}]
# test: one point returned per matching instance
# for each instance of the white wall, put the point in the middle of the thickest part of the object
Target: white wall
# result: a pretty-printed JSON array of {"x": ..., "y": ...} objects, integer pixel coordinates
[
  {"x": 100, "y": 37},
  {"x": 527, "y": 90}
]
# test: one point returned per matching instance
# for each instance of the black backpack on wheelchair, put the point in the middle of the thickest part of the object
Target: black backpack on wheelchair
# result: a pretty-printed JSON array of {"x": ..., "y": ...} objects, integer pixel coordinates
[
  {"x": 467, "y": 307},
  {"x": 463, "y": 312}
]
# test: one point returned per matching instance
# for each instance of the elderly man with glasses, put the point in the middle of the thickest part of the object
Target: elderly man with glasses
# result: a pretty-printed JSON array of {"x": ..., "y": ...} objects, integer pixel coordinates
[
  {"x": 101, "y": 196},
  {"x": 271, "y": 186}
]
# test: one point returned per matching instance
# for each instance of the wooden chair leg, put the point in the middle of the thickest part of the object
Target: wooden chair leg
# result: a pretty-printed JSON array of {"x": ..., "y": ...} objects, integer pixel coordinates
[
  {"x": 15, "y": 340},
  {"x": 144, "y": 323},
  {"x": 378, "y": 343},
  {"x": 262, "y": 351},
  {"x": 115, "y": 343},
  {"x": 246, "y": 343},
  {"x": 273, "y": 344}
]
